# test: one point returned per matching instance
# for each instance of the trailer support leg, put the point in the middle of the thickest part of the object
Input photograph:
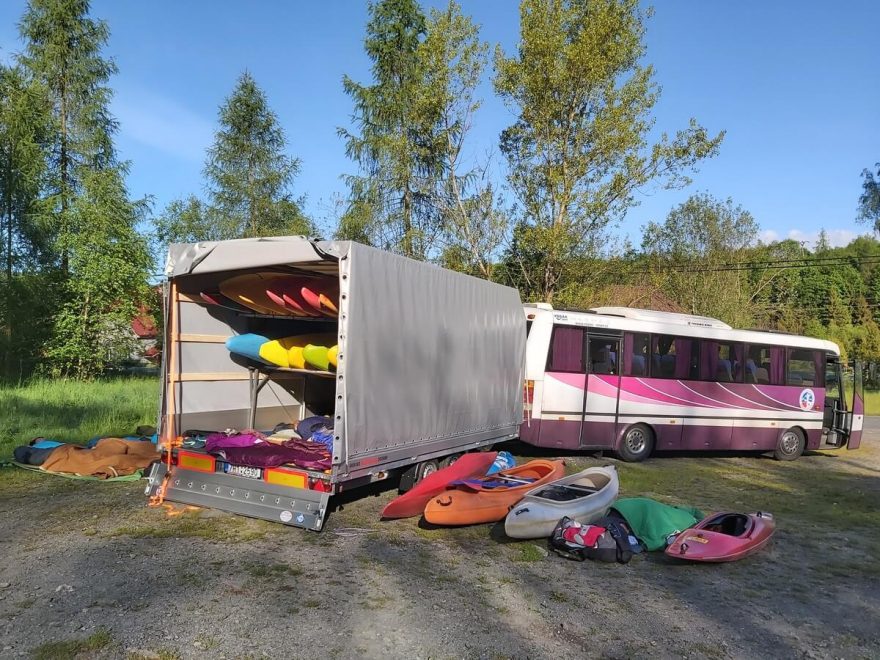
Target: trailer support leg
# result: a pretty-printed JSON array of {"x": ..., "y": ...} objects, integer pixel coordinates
[{"x": 258, "y": 382}]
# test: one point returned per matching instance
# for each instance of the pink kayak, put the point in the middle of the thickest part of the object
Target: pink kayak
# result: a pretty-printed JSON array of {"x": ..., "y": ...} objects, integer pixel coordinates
[{"x": 723, "y": 537}]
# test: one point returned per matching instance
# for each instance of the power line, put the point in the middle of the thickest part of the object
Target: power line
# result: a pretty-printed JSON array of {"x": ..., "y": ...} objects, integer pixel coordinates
[{"x": 778, "y": 264}]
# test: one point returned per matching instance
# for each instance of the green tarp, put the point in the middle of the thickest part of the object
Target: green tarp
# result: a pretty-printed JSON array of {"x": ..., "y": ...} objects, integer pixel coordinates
[{"x": 653, "y": 521}]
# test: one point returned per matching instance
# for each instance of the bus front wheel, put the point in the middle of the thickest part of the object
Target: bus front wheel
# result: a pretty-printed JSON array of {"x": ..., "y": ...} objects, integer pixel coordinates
[
  {"x": 790, "y": 445},
  {"x": 637, "y": 443}
]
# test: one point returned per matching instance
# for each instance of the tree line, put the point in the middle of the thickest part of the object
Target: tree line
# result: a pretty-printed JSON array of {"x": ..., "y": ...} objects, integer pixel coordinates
[{"x": 78, "y": 250}]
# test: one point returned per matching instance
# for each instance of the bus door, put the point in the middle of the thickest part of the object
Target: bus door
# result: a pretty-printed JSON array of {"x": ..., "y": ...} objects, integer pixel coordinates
[
  {"x": 602, "y": 390},
  {"x": 858, "y": 409},
  {"x": 844, "y": 426},
  {"x": 562, "y": 392}
]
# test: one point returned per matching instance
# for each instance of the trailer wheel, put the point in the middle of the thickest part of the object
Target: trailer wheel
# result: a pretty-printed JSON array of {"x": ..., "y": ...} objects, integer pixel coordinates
[
  {"x": 427, "y": 468},
  {"x": 636, "y": 444},
  {"x": 790, "y": 445},
  {"x": 449, "y": 460}
]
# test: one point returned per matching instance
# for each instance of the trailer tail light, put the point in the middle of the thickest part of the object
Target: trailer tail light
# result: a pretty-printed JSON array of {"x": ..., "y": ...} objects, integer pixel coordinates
[
  {"x": 529, "y": 391},
  {"x": 320, "y": 485},
  {"x": 284, "y": 477},
  {"x": 196, "y": 462}
]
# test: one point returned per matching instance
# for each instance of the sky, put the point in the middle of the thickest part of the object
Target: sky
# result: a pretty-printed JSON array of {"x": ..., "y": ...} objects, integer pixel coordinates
[{"x": 795, "y": 86}]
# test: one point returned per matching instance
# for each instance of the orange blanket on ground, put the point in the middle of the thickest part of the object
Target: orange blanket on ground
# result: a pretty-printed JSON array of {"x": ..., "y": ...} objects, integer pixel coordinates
[{"x": 111, "y": 457}]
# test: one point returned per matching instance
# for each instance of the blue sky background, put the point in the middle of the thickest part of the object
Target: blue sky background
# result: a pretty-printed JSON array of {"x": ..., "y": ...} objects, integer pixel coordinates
[{"x": 795, "y": 84}]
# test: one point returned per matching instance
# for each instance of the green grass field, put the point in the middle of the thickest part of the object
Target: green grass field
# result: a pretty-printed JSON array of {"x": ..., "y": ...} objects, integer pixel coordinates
[
  {"x": 73, "y": 411},
  {"x": 872, "y": 402}
]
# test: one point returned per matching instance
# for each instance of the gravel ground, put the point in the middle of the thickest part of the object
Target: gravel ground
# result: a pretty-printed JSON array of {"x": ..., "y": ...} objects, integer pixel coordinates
[{"x": 89, "y": 571}]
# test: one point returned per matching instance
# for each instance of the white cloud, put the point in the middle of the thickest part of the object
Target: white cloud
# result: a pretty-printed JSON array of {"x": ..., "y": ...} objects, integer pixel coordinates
[
  {"x": 162, "y": 123},
  {"x": 836, "y": 237},
  {"x": 768, "y": 236}
]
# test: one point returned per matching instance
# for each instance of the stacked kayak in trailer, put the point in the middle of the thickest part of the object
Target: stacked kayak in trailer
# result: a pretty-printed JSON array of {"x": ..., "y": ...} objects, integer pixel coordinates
[{"x": 264, "y": 333}]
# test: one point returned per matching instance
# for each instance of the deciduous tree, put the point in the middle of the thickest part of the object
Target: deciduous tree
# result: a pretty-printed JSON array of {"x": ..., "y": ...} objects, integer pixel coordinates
[
  {"x": 454, "y": 59},
  {"x": 869, "y": 201},
  {"x": 108, "y": 270},
  {"x": 695, "y": 245},
  {"x": 580, "y": 145}
]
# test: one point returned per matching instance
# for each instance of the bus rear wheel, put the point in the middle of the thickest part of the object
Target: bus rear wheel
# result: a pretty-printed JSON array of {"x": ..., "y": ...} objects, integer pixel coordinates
[
  {"x": 637, "y": 443},
  {"x": 790, "y": 445}
]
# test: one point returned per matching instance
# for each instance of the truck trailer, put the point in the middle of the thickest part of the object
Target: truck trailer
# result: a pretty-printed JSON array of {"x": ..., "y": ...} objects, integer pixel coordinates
[{"x": 430, "y": 365}]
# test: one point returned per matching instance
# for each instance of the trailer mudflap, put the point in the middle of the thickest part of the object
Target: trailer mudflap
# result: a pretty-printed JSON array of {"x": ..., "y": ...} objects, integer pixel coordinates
[{"x": 297, "y": 507}]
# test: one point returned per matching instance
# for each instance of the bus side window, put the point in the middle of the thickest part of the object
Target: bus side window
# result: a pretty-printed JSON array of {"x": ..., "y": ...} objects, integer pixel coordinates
[
  {"x": 635, "y": 354},
  {"x": 765, "y": 365},
  {"x": 805, "y": 368},
  {"x": 673, "y": 357},
  {"x": 566, "y": 350}
]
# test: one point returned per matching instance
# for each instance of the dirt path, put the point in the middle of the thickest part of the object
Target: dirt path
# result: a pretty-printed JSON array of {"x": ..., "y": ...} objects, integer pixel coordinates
[{"x": 89, "y": 568}]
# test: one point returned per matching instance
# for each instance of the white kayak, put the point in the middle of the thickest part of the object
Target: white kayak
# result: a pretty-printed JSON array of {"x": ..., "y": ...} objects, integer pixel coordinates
[{"x": 584, "y": 497}]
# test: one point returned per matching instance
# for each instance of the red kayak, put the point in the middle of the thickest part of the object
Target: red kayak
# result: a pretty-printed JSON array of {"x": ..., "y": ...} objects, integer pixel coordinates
[
  {"x": 723, "y": 537},
  {"x": 412, "y": 503},
  {"x": 286, "y": 291}
]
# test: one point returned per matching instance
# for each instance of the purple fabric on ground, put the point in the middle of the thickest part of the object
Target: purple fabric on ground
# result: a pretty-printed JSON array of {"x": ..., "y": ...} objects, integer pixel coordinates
[
  {"x": 310, "y": 456},
  {"x": 217, "y": 441}
]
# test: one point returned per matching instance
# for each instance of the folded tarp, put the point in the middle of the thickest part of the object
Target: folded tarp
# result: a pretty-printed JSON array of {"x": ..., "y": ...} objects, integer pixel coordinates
[
  {"x": 111, "y": 457},
  {"x": 134, "y": 476},
  {"x": 653, "y": 521}
]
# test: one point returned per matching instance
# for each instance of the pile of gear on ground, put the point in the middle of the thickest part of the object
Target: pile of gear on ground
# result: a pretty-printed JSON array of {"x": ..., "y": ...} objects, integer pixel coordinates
[{"x": 580, "y": 514}]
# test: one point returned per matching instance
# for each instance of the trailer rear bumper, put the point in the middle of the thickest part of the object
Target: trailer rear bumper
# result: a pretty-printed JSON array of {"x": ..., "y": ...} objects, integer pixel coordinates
[{"x": 297, "y": 507}]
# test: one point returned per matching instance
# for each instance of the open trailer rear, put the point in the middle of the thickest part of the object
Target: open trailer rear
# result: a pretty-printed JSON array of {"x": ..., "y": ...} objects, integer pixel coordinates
[{"x": 430, "y": 365}]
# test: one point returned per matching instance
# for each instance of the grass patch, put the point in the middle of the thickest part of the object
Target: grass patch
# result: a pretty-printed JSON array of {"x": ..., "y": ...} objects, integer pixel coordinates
[
  {"x": 529, "y": 552},
  {"x": 73, "y": 411},
  {"x": 67, "y": 649},
  {"x": 191, "y": 524},
  {"x": 872, "y": 401}
]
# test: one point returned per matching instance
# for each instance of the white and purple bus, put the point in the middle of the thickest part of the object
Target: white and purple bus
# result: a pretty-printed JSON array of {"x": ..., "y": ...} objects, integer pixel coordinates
[{"x": 634, "y": 381}]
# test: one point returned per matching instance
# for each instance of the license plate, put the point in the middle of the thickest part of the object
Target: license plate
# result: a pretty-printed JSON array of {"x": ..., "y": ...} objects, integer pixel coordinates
[{"x": 243, "y": 471}]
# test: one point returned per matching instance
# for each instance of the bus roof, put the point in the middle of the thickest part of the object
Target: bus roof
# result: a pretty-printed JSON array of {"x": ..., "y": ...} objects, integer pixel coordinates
[{"x": 670, "y": 323}]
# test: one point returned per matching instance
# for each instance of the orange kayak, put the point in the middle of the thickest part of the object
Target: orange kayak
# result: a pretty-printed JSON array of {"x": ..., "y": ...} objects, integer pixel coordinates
[{"x": 488, "y": 499}]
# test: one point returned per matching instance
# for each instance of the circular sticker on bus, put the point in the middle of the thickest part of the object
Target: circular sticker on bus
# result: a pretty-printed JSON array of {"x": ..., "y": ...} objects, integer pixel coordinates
[
  {"x": 286, "y": 516},
  {"x": 807, "y": 400}
]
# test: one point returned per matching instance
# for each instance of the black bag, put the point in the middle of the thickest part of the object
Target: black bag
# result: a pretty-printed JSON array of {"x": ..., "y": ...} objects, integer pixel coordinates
[{"x": 612, "y": 546}]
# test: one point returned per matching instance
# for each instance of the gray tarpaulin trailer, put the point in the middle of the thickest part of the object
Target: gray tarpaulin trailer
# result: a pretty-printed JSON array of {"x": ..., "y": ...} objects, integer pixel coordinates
[{"x": 430, "y": 365}]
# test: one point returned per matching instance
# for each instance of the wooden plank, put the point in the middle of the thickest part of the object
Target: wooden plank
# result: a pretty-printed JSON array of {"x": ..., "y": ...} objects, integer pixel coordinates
[
  {"x": 231, "y": 375},
  {"x": 199, "y": 339}
]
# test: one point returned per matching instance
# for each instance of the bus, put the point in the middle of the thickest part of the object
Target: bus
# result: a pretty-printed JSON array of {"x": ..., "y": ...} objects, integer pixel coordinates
[{"x": 635, "y": 381}]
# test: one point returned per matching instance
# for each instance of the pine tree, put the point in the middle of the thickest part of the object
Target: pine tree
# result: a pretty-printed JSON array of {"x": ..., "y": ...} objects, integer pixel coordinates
[
  {"x": 104, "y": 262},
  {"x": 399, "y": 147},
  {"x": 63, "y": 51},
  {"x": 249, "y": 174},
  {"x": 24, "y": 131}
]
